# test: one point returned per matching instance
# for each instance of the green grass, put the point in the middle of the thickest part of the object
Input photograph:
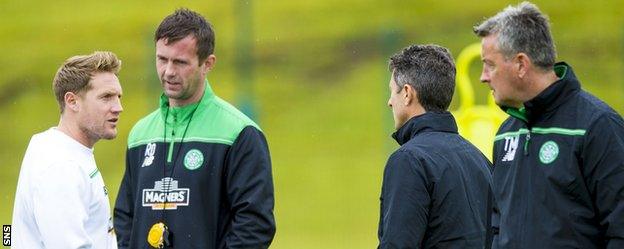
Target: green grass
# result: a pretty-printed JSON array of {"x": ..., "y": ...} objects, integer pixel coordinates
[{"x": 320, "y": 87}]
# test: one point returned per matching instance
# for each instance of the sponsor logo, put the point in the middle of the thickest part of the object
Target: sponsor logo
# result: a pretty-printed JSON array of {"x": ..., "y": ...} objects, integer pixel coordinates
[
  {"x": 165, "y": 195},
  {"x": 193, "y": 159},
  {"x": 150, "y": 150},
  {"x": 548, "y": 152},
  {"x": 511, "y": 145}
]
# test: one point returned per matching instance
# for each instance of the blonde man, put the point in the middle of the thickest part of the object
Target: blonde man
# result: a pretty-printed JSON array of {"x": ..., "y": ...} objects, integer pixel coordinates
[{"x": 61, "y": 199}]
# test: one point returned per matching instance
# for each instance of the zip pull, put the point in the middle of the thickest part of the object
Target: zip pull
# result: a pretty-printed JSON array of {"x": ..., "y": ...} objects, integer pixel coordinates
[
  {"x": 526, "y": 143},
  {"x": 171, "y": 144}
]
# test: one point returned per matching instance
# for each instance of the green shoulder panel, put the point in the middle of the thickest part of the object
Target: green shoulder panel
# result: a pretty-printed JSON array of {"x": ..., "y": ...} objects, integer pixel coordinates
[
  {"x": 148, "y": 129},
  {"x": 214, "y": 121},
  {"x": 217, "y": 122}
]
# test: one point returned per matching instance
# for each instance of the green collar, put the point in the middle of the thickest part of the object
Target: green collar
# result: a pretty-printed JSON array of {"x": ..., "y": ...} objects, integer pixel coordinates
[
  {"x": 560, "y": 70},
  {"x": 546, "y": 97},
  {"x": 518, "y": 113},
  {"x": 181, "y": 114}
]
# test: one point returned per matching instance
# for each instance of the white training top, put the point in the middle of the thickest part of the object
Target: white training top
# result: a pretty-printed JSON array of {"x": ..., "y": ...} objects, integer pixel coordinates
[{"x": 61, "y": 200}]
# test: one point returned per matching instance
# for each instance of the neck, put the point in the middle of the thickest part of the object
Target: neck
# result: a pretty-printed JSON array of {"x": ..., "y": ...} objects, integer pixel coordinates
[
  {"x": 417, "y": 110},
  {"x": 71, "y": 129},
  {"x": 539, "y": 82},
  {"x": 195, "y": 98}
]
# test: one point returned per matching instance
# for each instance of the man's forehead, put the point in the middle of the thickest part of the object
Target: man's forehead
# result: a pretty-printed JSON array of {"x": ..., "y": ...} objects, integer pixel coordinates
[
  {"x": 181, "y": 49},
  {"x": 188, "y": 42},
  {"x": 489, "y": 48},
  {"x": 104, "y": 81},
  {"x": 490, "y": 42}
]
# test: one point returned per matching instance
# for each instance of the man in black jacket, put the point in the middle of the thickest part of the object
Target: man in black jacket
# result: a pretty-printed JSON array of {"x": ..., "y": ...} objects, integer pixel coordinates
[
  {"x": 436, "y": 186},
  {"x": 559, "y": 159},
  {"x": 198, "y": 171}
]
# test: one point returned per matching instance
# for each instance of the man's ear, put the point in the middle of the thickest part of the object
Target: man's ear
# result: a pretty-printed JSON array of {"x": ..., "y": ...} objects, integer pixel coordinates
[
  {"x": 522, "y": 64},
  {"x": 71, "y": 101},
  {"x": 209, "y": 63},
  {"x": 409, "y": 95}
]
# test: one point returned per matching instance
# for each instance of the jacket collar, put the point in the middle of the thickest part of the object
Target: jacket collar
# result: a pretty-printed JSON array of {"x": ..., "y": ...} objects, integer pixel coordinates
[
  {"x": 427, "y": 122},
  {"x": 183, "y": 113},
  {"x": 550, "y": 98}
]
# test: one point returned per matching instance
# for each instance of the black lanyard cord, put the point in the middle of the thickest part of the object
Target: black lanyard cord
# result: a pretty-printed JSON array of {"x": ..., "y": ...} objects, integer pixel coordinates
[{"x": 175, "y": 158}]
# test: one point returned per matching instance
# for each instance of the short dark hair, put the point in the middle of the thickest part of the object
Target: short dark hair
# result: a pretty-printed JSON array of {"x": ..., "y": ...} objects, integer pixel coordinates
[
  {"x": 521, "y": 29},
  {"x": 184, "y": 22},
  {"x": 430, "y": 70}
]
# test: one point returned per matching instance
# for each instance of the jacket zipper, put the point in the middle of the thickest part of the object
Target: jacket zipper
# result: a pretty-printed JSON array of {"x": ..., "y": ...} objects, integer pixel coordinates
[
  {"x": 170, "y": 153},
  {"x": 526, "y": 143},
  {"x": 520, "y": 114}
]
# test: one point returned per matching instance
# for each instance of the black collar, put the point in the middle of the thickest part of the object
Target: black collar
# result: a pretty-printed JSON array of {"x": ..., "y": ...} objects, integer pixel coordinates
[
  {"x": 550, "y": 98},
  {"x": 429, "y": 121}
]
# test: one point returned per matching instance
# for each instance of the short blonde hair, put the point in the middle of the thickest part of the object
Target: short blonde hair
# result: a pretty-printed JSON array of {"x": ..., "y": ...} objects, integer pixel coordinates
[{"x": 74, "y": 75}]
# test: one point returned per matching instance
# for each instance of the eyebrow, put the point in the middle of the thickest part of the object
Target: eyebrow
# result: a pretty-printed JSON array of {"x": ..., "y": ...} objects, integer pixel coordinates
[
  {"x": 178, "y": 60},
  {"x": 110, "y": 92}
]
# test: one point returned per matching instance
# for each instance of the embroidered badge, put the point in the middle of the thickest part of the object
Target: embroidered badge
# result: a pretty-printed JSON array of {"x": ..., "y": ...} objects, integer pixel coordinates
[
  {"x": 193, "y": 159},
  {"x": 548, "y": 152}
]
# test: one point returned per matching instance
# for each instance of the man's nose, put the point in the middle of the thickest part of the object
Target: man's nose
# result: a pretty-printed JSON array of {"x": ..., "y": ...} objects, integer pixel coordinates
[
  {"x": 485, "y": 77},
  {"x": 117, "y": 107},
  {"x": 169, "y": 69}
]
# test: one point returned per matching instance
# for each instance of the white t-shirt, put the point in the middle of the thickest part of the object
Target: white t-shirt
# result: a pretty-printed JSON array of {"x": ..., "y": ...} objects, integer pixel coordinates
[{"x": 61, "y": 200}]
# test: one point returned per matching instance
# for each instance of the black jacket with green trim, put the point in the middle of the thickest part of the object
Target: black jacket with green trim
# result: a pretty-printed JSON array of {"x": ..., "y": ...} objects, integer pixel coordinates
[
  {"x": 559, "y": 171},
  {"x": 436, "y": 188},
  {"x": 213, "y": 178}
]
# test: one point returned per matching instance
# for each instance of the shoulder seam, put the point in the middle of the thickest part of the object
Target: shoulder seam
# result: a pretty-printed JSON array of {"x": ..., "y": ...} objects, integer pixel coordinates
[{"x": 244, "y": 119}]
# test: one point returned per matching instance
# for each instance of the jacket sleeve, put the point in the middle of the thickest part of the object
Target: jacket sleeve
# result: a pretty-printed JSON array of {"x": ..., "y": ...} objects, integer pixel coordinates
[
  {"x": 60, "y": 207},
  {"x": 602, "y": 160},
  {"x": 249, "y": 187},
  {"x": 405, "y": 202},
  {"x": 493, "y": 234},
  {"x": 124, "y": 208}
]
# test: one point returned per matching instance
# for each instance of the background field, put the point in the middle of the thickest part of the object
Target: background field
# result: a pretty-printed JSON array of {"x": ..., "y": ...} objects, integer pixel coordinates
[{"x": 319, "y": 86}]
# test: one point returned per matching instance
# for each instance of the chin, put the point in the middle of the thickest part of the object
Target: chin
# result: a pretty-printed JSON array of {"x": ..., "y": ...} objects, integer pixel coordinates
[
  {"x": 174, "y": 95},
  {"x": 498, "y": 101},
  {"x": 110, "y": 135},
  {"x": 170, "y": 94}
]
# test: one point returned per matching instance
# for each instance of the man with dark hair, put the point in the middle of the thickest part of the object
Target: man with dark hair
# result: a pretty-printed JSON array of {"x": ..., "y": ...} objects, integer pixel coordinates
[
  {"x": 436, "y": 186},
  {"x": 559, "y": 158},
  {"x": 61, "y": 200},
  {"x": 198, "y": 171}
]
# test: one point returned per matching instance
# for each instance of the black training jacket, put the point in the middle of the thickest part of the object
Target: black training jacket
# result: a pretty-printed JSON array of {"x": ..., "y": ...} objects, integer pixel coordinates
[
  {"x": 205, "y": 173},
  {"x": 559, "y": 171},
  {"x": 435, "y": 189}
]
